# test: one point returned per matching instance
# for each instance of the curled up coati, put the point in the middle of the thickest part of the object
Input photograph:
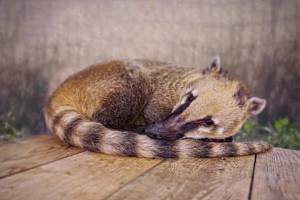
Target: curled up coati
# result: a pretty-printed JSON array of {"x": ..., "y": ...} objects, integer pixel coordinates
[{"x": 153, "y": 109}]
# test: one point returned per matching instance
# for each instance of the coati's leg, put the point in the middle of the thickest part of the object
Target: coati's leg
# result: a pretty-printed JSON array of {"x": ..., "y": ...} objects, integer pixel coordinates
[{"x": 172, "y": 127}]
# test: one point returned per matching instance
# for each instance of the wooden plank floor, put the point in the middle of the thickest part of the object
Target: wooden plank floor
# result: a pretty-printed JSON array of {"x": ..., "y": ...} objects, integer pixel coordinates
[{"x": 44, "y": 168}]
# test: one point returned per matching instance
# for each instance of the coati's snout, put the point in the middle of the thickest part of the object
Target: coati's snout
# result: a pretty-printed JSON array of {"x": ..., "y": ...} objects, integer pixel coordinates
[
  {"x": 220, "y": 105},
  {"x": 218, "y": 117}
]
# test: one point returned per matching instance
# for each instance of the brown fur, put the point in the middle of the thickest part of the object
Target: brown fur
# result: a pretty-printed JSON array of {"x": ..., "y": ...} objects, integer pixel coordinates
[{"x": 93, "y": 109}]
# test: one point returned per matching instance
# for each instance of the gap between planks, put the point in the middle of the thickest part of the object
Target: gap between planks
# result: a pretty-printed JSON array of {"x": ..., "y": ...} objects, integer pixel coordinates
[
  {"x": 252, "y": 178},
  {"x": 277, "y": 175}
]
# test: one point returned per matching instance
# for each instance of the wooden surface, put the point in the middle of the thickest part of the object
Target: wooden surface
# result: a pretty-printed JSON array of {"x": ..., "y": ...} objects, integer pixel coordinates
[
  {"x": 44, "y": 168},
  {"x": 277, "y": 175},
  {"x": 228, "y": 178},
  {"x": 26, "y": 154}
]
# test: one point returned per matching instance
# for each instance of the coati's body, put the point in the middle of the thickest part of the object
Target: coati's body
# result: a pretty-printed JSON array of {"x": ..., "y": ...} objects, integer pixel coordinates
[{"x": 114, "y": 107}]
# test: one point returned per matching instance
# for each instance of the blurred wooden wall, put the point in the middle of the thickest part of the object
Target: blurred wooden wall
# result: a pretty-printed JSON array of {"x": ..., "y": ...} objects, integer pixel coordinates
[{"x": 258, "y": 40}]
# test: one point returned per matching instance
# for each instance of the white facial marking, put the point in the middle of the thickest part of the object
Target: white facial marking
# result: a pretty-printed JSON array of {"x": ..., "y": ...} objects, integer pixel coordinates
[
  {"x": 205, "y": 129},
  {"x": 216, "y": 120},
  {"x": 194, "y": 135},
  {"x": 193, "y": 91},
  {"x": 220, "y": 131},
  {"x": 189, "y": 90}
]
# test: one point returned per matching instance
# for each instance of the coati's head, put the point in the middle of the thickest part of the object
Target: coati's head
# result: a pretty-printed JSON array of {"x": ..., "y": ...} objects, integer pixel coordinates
[{"x": 216, "y": 106}]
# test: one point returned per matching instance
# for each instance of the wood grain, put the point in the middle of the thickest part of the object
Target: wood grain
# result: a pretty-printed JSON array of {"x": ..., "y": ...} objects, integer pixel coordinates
[
  {"x": 83, "y": 176},
  {"x": 28, "y": 153},
  {"x": 44, "y": 168},
  {"x": 227, "y": 178},
  {"x": 277, "y": 175}
]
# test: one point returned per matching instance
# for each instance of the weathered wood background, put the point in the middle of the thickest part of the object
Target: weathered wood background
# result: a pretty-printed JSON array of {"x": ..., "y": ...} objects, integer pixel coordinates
[{"x": 42, "y": 42}]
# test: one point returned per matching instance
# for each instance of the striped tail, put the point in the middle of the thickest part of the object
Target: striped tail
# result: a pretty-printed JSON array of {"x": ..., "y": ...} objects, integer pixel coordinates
[{"x": 76, "y": 130}]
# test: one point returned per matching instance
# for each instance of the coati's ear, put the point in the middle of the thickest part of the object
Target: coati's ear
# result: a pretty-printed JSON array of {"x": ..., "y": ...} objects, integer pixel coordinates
[
  {"x": 257, "y": 105},
  {"x": 215, "y": 64}
]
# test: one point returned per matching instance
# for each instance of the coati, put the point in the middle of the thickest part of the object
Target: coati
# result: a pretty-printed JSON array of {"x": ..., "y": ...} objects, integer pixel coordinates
[{"x": 153, "y": 109}]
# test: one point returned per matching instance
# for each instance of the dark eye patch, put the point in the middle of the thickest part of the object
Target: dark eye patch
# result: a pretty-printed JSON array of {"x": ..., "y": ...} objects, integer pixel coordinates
[{"x": 206, "y": 122}]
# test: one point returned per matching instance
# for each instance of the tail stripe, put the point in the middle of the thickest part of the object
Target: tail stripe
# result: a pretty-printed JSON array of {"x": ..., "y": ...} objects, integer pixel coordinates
[
  {"x": 70, "y": 127},
  {"x": 203, "y": 149},
  {"x": 145, "y": 146},
  {"x": 166, "y": 149},
  {"x": 129, "y": 141},
  {"x": 58, "y": 116},
  {"x": 93, "y": 138},
  {"x": 230, "y": 149},
  {"x": 250, "y": 148},
  {"x": 195, "y": 148},
  {"x": 61, "y": 121}
]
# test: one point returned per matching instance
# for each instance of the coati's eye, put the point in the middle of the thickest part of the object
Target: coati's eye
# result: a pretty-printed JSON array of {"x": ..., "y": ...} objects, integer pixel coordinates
[
  {"x": 204, "y": 122},
  {"x": 207, "y": 121}
]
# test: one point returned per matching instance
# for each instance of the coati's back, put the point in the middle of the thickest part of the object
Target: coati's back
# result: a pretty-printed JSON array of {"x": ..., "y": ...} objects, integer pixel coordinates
[
  {"x": 96, "y": 87},
  {"x": 119, "y": 107}
]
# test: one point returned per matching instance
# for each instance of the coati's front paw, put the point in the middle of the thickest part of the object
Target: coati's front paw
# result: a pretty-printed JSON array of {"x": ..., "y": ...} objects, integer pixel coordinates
[
  {"x": 171, "y": 128},
  {"x": 158, "y": 131},
  {"x": 152, "y": 131}
]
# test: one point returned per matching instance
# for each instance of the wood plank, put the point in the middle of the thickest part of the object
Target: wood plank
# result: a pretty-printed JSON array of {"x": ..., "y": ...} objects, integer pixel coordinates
[
  {"x": 277, "y": 175},
  {"x": 83, "y": 176},
  {"x": 28, "y": 153},
  {"x": 227, "y": 178}
]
